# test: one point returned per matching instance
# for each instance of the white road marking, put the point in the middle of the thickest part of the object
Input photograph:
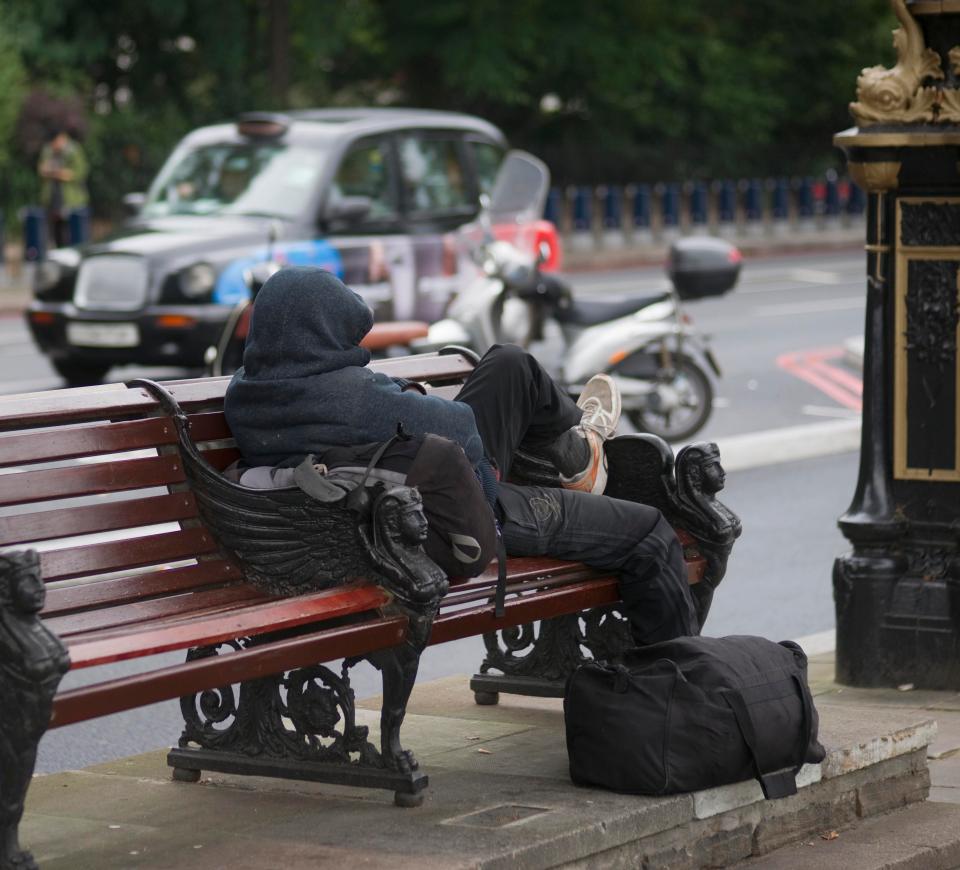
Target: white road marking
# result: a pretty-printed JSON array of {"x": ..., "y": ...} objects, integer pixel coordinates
[
  {"x": 829, "y": 411},
  {"x": 790, "y": 309},
  {"x": 814, "y": 276}
]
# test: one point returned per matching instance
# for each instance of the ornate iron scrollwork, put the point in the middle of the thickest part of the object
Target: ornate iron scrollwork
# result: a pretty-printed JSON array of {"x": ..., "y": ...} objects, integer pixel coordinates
[
  {"x": 537, "y": 658},
  {"x": 307, "y": 714},
  {"x": 32, "y": 662}
]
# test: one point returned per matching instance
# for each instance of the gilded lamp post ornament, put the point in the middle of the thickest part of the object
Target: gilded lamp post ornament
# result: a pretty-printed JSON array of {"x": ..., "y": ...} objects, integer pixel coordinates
[{"x": 903, "y": 94}]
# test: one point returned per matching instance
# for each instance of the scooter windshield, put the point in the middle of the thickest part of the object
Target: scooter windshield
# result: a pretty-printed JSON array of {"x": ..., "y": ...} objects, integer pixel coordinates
[{"x": 520, "y": 189}]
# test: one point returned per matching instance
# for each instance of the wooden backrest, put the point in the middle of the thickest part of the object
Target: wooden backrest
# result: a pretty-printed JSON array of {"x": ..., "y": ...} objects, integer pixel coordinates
[{"x": 92, "y": 479}]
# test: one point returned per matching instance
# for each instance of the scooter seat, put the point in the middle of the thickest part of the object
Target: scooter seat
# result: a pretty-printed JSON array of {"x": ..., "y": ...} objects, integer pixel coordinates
[{"x": 591, "y": 312}]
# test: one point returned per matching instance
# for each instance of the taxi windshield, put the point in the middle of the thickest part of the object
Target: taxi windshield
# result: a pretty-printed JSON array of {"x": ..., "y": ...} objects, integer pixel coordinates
[{"x": 269, "y": 179}]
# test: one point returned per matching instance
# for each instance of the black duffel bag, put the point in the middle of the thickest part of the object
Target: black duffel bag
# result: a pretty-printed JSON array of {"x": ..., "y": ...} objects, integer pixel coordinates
[{"x": 693, "y": 713}]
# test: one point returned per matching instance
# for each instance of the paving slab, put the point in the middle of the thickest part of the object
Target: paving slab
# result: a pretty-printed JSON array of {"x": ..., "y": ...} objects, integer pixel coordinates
[{"x": 499, "y": 797}]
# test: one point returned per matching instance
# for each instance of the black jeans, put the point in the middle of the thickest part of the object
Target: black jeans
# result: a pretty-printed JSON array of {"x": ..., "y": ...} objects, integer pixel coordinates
[{"x": 516, "y": 403}]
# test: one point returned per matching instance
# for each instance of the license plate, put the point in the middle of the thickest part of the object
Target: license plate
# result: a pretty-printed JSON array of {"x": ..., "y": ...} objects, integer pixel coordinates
[{"x": 103, "y": 334}]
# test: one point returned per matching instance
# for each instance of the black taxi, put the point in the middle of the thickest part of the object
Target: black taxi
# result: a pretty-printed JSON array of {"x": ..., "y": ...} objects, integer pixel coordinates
[{"x": 372, "y": 195}]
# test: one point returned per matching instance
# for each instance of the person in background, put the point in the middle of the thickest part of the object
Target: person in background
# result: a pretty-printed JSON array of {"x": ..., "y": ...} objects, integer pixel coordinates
[{"x": 63, "y": 178}]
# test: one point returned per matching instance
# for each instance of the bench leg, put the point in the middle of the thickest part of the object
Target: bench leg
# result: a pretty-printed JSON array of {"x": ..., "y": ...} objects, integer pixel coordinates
[
  {"x": 301, "y": 725},
  {"x": 32, "y": 662},
  {"x": 398, "y": 667},
  {"x": 536, "y": 659}
]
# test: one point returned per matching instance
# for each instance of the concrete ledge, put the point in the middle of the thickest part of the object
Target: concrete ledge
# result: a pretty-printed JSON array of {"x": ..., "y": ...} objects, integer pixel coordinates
[{"x": 500, "y": 797}]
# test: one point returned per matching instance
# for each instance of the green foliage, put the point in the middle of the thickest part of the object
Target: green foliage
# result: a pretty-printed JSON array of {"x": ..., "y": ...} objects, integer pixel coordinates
[{"x": 620, "y": 90}]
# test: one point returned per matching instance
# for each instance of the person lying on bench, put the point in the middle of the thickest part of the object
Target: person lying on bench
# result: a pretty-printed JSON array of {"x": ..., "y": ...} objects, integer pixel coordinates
[{"x": 304, "y": 388}]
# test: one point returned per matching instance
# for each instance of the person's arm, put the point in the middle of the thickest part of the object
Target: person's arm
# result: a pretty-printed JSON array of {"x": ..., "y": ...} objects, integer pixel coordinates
[{"x": 44, "y": 169}]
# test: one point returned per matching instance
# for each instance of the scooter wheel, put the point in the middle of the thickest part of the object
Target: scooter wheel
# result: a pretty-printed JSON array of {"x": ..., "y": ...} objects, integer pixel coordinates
[{"x": 681, "y": 421}]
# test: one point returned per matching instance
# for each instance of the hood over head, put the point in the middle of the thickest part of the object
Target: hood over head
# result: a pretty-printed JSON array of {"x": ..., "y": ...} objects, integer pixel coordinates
[{"x": 305, "y": 322}]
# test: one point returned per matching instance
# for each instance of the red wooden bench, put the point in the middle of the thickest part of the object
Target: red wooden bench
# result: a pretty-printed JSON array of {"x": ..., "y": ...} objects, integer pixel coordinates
[{"x": 151, "y": 576}]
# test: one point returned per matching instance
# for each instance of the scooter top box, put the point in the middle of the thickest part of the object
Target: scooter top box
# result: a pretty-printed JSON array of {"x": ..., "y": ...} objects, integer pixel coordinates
[{"x": 702, "y": 266}]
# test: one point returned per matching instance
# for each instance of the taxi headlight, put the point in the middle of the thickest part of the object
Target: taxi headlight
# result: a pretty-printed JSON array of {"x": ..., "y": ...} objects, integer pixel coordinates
[
  {"x": 197, "y": 280},
  {"x": 49, "y": 273}
]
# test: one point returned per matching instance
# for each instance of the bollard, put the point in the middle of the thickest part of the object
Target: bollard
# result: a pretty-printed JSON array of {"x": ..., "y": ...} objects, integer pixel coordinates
[
  {"x": 551, "y": 208},
  {"x": 581, "y": 208},
  {"x": 34, "y": 234},
  {"x": 671, "y": 204},
  {"x": 612, "y": 207},
  {"x": 78, "y": 225},
  {"x": 698, "y": 204},
  {"x": 781, "y": 198},
  {"x": 642, "y": 206}
]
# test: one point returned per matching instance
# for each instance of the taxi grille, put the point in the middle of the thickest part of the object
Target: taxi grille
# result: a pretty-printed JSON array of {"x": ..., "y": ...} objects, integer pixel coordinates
[{"x": 112, "y": 283}]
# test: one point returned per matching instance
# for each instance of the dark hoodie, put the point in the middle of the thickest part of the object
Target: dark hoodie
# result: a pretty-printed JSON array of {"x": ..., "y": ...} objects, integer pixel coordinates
[{"x": 304, "y": 384}]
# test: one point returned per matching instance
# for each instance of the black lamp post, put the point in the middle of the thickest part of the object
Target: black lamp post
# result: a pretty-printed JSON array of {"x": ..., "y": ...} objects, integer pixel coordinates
[{"x": 897, "y": 593}]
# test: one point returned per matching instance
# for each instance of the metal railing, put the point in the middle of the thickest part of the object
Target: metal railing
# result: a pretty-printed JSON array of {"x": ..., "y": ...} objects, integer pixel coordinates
[{"x": 644, "y": 213}]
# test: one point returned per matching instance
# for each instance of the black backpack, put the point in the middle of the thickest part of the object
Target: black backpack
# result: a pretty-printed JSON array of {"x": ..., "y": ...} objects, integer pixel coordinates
[
  {"x": 693, "y": 713},
  {"x": 461, "y": 535}
]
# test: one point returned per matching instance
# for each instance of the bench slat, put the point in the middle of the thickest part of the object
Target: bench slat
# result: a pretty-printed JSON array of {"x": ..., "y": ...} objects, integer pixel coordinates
[
  {"x": 184, "y": 604},
  {"x": 68, "y": 442},
  {"x": 269, "y": 616},
  {"x": 118, "y": 590},
  {"x": 541, "y": 605},
  {"x": 126, "y": 693},
  {"x": 25, "y": 487},
  {"x": 104, "y": 517},
  {"x": 129, "y": 553},
  {"x": 32, "y": 486}
]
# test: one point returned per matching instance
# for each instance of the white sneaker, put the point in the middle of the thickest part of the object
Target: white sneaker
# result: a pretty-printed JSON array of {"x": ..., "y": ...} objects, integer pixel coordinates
[{"x": 600, "y": 401}]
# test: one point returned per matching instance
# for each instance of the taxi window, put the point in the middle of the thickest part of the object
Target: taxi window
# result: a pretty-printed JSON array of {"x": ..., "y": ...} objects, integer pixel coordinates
[
  {"x": 250, "y": 178},
  {"x": 366, "y": 171},
  {"x": 487, "y": 158},
  {"x": 433, "y": 177}
]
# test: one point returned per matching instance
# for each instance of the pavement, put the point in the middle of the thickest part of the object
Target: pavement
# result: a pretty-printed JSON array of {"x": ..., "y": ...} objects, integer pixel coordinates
[{"x": 500, "y": 797}]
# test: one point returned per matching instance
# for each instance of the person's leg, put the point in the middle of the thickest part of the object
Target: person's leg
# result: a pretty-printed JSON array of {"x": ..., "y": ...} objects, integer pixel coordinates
[
  {"x": 516, "y": 402},
  {"x": 606, "y": 533}
]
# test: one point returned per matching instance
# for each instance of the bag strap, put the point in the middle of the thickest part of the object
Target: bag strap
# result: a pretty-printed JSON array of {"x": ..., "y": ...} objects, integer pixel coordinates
[
  {"x": 358, "y": 500},
  {"x": 501, "y": 593},
  {"x": 782, "y": 782}
]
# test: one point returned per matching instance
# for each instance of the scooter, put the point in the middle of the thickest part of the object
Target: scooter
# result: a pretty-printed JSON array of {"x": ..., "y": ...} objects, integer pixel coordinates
[{"x": 647, "y": 343}]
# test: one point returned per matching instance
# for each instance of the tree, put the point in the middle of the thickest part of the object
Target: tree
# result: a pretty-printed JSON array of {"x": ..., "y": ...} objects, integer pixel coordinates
[{"x": 630, "y": 91}]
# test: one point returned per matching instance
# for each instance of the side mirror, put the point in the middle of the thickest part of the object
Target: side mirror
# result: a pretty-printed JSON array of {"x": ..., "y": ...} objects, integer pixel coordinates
[
  {"x": 133, "y": 203},
  {"x": 347, "y": 209},
  {"x": 703, "y": 266}
]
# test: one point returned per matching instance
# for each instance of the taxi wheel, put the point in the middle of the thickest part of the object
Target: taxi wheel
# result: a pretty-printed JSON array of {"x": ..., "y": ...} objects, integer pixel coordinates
[{"x": 80, "y": 374}]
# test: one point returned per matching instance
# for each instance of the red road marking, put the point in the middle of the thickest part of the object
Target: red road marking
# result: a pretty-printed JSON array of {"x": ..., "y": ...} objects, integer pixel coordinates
[{"x": 814, "y": 367}]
